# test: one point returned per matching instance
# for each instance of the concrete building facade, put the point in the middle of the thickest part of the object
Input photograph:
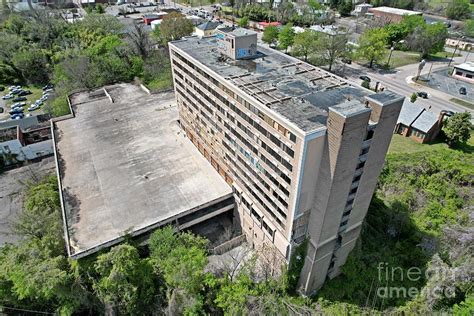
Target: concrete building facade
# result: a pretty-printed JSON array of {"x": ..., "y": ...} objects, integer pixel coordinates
[
  {"x": 464, "y": 72},
  {"x": 301, "y": 148},
  {"x": 17, "y": 145}
]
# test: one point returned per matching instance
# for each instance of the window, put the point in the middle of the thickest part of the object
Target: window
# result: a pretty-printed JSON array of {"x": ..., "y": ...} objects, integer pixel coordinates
[
  {"x": 293, "y": 137},
  {"x": 369, "y": 135},
  {"x": 353, "y": 191},
  {"x": 349, "y": 203},
  {"x": 360, "y": 165},
  {"x": 346, "y": 213},
  {"x": 458, "y": 73},
  {"x": 344, "y": 223},
  {"x": 364, "y": 151},
  {"x": 468, "y": 76},
  {"x": 357, "y": 178}
]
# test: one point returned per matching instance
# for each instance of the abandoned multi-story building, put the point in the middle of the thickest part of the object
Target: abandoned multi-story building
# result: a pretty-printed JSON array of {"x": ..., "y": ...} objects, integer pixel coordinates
[{"x": 301, "y": 148}]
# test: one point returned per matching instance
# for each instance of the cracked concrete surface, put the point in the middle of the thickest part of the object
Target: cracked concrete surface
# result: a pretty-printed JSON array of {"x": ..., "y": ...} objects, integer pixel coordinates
[{"x": 127, "y": 165}]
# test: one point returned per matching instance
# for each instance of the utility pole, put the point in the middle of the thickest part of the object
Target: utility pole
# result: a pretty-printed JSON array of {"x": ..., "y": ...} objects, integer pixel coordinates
[
  {"x": 390, "y": 56},
  {"x": 454, "y": 53},
  {"x": 429, "y": 73}
]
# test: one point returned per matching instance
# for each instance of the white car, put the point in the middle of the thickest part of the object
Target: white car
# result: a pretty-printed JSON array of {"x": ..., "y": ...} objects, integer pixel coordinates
[
  {"x": 18, "y": 104},
  {"x": 33, "y": 107},
  {"x": 7, "y": 96}
]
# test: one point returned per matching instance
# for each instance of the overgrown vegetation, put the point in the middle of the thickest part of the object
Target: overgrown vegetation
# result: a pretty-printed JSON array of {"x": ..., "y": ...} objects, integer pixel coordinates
[
  {"x": 420, "y": 218},
  {"x": 423, "y": 199},
  {"x": 39, "y": 46}
]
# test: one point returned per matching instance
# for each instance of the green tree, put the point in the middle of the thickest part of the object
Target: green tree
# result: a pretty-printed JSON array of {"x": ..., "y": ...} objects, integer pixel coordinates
[
  {"x": 428, "y": 39},
  {"x": 305, "y": 43},
  {"x": 469, "y": 28},
  {"x": 315, "y": 5},
  {"x": 458, "y": 10},
  {"x": 270, "y": 35},
  {"x": 180, "y": 258},
  {"x": 413, "y": 97},
  {"x": 35, "y": 273},
  {"x": 99, "y": 8},
  {"x": 345, "y": 7},
  {"x": 458, "y": 128},
  {"x": 244, "y": 22},
  {"x": 410, "y": 22},
  {"x": 286, "y": 36},
  {"x": 372, "y": 45},
  {"x": 33, "y": 65},
  {"x": 173, "y": 27},
  {"x": 125, "y": 282},
  {"x": 332, "y": 47}
]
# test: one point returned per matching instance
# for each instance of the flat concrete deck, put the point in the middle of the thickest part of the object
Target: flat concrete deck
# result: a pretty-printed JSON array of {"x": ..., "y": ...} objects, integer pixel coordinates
[{"x": 126, "y": 166}]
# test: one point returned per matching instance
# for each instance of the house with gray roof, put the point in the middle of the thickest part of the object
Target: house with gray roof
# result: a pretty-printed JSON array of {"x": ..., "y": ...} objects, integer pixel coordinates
[{"x": 418, "y": 123}]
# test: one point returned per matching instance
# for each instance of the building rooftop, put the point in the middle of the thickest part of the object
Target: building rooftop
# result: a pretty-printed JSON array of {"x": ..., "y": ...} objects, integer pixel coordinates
[
  {"x": 417, "y": 117},
  {"x": 425, "y": 121},
  {"x": 207, "y": 26},
  {"x": 469, "y": 66},
  {"x": 395, "y": 11},
  {"x": 409, "y": 113},
  {"x": 297, "y": 91},
  {"x": 127, "y": 167},
  {"x": 239, "y": 32},
  {"x": 9, "y": 133}
]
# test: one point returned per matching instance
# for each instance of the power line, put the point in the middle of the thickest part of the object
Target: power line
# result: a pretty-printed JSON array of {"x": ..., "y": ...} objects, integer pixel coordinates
[{"x": 25, "y": 310}]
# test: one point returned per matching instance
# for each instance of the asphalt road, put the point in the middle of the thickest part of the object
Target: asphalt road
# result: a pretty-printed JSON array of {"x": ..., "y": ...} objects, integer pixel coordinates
[{"x": 398, "y": 81}]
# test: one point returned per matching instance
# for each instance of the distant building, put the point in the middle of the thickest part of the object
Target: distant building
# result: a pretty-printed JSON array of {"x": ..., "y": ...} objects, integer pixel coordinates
[
  {"x": 418, "y": 123},
  {"x": 17, "y": 145},
  {"x": 264, "y": 25},
  {"x": 206, "y": 28},
  {"x": 464, "y": 72},
  {"x": 326, "y": 29},
  {"x": 361, "y": 9},
  {"x": 392, "y": 15},
  {"x": 463, "y": 44},
  {"x": 148, "y": 18}
]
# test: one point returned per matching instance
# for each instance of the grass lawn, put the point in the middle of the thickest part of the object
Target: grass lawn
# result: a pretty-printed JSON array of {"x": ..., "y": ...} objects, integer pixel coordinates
[
  {"x": 402, "y": 144},
  {"x": 443, "y": 55},
  {"x": 462, "y": 102},
  {"x": 162, "y": 82},
  {"x": 400, "y": 58}
]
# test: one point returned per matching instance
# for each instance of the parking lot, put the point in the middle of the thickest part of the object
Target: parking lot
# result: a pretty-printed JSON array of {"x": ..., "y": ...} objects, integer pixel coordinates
[
  {"x": 27, "y": 100},
  {"x": 441, "y": 80},
  {"x": 12, "y": 190}
]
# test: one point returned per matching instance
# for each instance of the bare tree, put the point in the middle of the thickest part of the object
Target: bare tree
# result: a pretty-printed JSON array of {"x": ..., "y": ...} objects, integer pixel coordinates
[{"x": 140, "y": 40}]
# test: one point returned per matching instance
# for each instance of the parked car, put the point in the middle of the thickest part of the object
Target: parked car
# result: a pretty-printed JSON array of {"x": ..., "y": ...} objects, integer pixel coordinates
[
  {"x": 47, "y": 90},
  {"x": 24, "y": 92},
  {"x": 16, "y": 110},
  {"x": 7, "y": 96},
  {"x": 447, "y": 113},
  {"x": 422, "y": 94},
  {"x": 463, "y": 91},
  {"x": 1, "y": 110},
  {"x": 18, "y": 99},
  {"x": 348, "y": 61},
  {"x": 48, "y": 86},
  {"x": 364, "y": 78},
  {"x": 17, "y": 116},
  {"x": 33, "y": 107},
  {"x": 14, "y": 105}
]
